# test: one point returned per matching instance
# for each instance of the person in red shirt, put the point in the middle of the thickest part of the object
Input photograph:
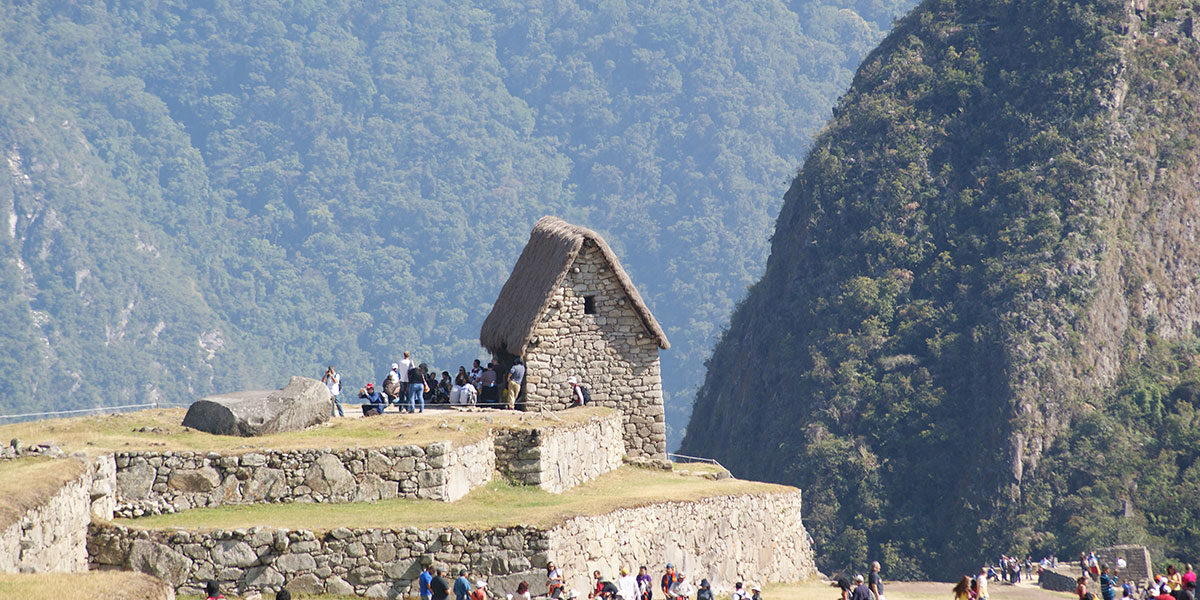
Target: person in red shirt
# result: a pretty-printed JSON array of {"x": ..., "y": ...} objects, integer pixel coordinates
[
  {"x": 213, "y": 591},
  {"x": 480, "y": 592}
]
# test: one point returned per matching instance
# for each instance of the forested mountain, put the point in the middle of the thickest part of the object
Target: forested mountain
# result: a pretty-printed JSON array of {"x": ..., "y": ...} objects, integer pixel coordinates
[
  {"x": 977, "y": 329},
  {"x": 206, "y": 195}
]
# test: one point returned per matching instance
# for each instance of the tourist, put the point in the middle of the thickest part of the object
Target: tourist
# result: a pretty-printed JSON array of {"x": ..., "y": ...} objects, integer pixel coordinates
[
  {"x": 645, "y": 584},
  {"x": 860, "y": 591},
  {"x": 375, "y": 401},
  {"x": 462, "y": 372},
  {"x": 1189, "y": 577},
  {"x": 962, "y": 589},
  {"x": 841, "y": 582},
  {"x": 488, "y": 392},
  {"x": 281, "y": 595},
  {"x": 333, "y": 382},
  {"x": 554, "y": 577},
  {"x": 480, "y": 592},
  {"x": 439, "y": 588},
  {"x": 406, "y": 365},
  {"x": 627, "y": 586},
  {"x": 875, "y": 582},
  {"x": 1081, "y": 588},
  {"x": 607, "y": 590},
  {"x": 213, "y": 591},
  {"x": 522, "y": 592},
  {"x": 705, "y": 592},
  {"x": 423, "y": 582},
  {"x": 1108, "y": 584},
  {"x": 1164, "y": 592},
  {"x": 416, "y": 388},
  {"x": 476, "y": 375},
  {"x": 681, "y": 589},
  {"x": 1127, "y": 590},
  {"x": 462, "y": 585},
  {"x": 983, "y": 583},
  {"x": 515, "y": 376},
  {"x": 579, "y": 393},
  {"x": 1174, "y": 578},
  {"x": 668, "y": 579},
  {"x": 444, "y": 387},
  {"x": 391, "y": 385},
  {"x": 755, "y": 592},
  {"x": 468, "y": 395}
]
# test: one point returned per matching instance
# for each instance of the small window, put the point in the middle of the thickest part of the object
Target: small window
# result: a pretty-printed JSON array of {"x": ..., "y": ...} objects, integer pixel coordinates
[{"x": 589, "y": 305}]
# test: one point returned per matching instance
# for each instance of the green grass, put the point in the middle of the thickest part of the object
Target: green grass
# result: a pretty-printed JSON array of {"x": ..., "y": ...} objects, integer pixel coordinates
[
  {"x": 498, "y": 504},
  {"x": 95, "y": 585},
  {"x": 28, "y": 482},
  {"x": 106, "y": 433}
]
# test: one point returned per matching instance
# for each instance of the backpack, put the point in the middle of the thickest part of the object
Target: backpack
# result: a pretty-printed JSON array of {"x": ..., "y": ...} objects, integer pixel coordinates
[
  {"x": 414, "y": 375},
  {"x": 587, "y": 394}
]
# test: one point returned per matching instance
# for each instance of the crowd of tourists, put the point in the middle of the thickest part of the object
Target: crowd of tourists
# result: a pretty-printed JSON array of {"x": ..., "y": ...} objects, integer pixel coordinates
[
  {"x": 435, "y": 584},
  {"x": 1095, "y": 576},
  {"x": 410, "y": 386}
]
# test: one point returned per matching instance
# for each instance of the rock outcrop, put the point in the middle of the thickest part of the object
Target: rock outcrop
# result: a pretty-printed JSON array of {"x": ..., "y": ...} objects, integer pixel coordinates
[{"x": 302, "y": 403}]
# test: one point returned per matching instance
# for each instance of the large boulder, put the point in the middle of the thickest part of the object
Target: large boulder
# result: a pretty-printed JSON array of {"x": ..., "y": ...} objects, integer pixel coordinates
[{"x": 302, "y": 403}]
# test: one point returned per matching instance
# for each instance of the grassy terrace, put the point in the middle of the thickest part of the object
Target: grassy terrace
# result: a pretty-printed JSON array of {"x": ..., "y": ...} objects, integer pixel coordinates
[
  {"x": 28, "y": 482},
  {"x": 161, "y": 430},
  {"x": 497, "y": 504},
  {"x": 95, "y": 585}
]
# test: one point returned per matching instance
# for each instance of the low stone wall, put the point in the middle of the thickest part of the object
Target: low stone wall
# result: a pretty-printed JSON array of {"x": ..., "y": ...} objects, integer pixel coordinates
[
  {"x": 158, "y": 482},
  {"x": 1137, "y": 559},
  {"x": 757, "y": 538},
  {"x": 51, "y": 538},
  {"x": 1056, "y": 581},
  {"x": 366, "y": 562},
  {"x": 560, "y": 458},
  {"x": 750, "y": 538}
]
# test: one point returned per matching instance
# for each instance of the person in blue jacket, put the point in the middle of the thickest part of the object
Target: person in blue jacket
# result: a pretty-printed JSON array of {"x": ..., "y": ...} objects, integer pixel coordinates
[{"x": 375, "y": 400}]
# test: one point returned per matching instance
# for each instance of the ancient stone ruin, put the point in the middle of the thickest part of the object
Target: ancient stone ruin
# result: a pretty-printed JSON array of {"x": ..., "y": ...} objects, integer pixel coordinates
[
  {"x": 569, "y": 310},
  {"x": 300, "y": 404}
]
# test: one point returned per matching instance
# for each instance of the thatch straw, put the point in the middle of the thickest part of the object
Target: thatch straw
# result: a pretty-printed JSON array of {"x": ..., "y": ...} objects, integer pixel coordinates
[{"x": 552, "y": 248}]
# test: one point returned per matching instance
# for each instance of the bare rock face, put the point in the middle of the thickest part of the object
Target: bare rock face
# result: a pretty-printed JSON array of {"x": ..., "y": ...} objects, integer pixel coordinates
[{"x": 302, "y": 403}]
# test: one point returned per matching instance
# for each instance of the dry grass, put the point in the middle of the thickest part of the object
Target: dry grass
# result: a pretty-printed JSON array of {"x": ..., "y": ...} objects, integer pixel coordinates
[
  {"x": 28, "y": 482},
  {"x": 96, "y": 585},
  {"x": 909, "y": 590},
  {"x": 105, "y": 433},
  {"x": 497, "y": 504}
]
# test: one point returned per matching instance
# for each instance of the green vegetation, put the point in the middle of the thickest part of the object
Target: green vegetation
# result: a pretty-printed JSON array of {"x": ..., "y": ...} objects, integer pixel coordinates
[
  {"x": 206, "y": 197},
  {"x": 498, "y": 504},
  {"x": 26, "y": 483},
  {"x": 160, "y": 430},
  {"x": 953, "y": 350}
]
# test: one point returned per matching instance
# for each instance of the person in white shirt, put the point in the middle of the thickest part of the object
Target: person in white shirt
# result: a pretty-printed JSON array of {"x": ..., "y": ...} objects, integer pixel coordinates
[
  {"x": 333, "y": 381},
  {"x": 627, "y": 587},
  {"x": 682, "y": 588},
  {"x": 739, "y": 593}
]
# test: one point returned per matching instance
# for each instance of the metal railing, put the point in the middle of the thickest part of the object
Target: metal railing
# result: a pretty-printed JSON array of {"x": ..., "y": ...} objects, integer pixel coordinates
[
  {"x": 81, "y": 411},
  {"x": 683, "y": 458}
]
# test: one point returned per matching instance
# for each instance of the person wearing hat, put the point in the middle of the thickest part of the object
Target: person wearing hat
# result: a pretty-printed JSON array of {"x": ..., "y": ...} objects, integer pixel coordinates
[
  {"x": 627, "y": 587},
  {"x": 755, "y": 592},
  {"x": 705, "y": 591},
  {"x": 375, "y": 401},
  {"x": 391, "y": 384},
  {"x": 462, "y": 586},
  {"x": 843, "y": 584},
  {"x": 860, "y": 591},
  {"x": 669, "y": 578},
  {"x": 579, "y": 394},
  {"x": 682, "y": 590},
  {"x": 480, "y": 592}
]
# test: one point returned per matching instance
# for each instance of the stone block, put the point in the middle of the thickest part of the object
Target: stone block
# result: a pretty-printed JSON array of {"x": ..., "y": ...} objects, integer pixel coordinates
[{"x": 302, "y": 403}]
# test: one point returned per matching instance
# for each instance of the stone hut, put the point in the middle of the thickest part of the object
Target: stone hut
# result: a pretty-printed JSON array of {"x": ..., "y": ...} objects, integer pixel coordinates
[{"x": 569, "y": 309}]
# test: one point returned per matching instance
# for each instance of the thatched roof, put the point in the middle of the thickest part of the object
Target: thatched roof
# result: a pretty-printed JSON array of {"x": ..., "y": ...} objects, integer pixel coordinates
[{"x": 552, "y": 248}]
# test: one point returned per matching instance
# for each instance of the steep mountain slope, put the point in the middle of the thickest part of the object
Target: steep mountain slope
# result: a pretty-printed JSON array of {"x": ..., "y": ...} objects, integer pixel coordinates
[
  {"x": 977, "y": 258},
  {"x": 269, "y": 188}
]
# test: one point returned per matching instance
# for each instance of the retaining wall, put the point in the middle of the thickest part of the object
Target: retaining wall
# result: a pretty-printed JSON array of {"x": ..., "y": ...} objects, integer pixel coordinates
[
  {"x": 560, "y": 458},
  {"x": 52, "y": 537},
  {"x": 158, "y": 482},
  {"x": 748, "y": 538},
  {"x": 1137, "y": 559}
]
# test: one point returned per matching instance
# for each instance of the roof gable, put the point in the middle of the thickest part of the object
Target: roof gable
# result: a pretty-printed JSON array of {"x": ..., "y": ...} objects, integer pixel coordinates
[{"x": 552, "y": 248}]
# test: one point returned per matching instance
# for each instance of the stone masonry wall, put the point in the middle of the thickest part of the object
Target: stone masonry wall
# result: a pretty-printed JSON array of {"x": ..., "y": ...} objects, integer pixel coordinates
[
  {"x": 366, "y": 562},
  {"x": 1137, "y": 560},
  {"x": 756, "y": 538},
  {"x": 158, "y": 482},
  {"x": 750, "y": 538},
  {"x": 51, "y": 538},
  {"x": 611, "y": 352},
  {"x": 560, "y": 458}
]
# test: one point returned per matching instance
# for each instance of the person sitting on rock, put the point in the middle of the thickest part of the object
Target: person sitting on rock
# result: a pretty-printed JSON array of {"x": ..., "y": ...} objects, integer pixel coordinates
[
  {"x": 376, "y": 401},
  {"x": 580, "y": 395},
  {"x": 391, "y": 385}
]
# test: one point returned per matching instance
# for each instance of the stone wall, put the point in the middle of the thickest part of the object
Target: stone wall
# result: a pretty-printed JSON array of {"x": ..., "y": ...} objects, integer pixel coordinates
[
  {"x": 367, "y": 562},
  {"x": 1137, "y": 560},
  {"x": 158, "y": 482},
  {"x": 610, "y": 352},
  {"x": 561, "y": 457},
  {"x": 750, "y": 538},
  {"x": 757, "y": 538},
  {"x": 52, "y": 537},
  {"x": 1056, "y": 581}
]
